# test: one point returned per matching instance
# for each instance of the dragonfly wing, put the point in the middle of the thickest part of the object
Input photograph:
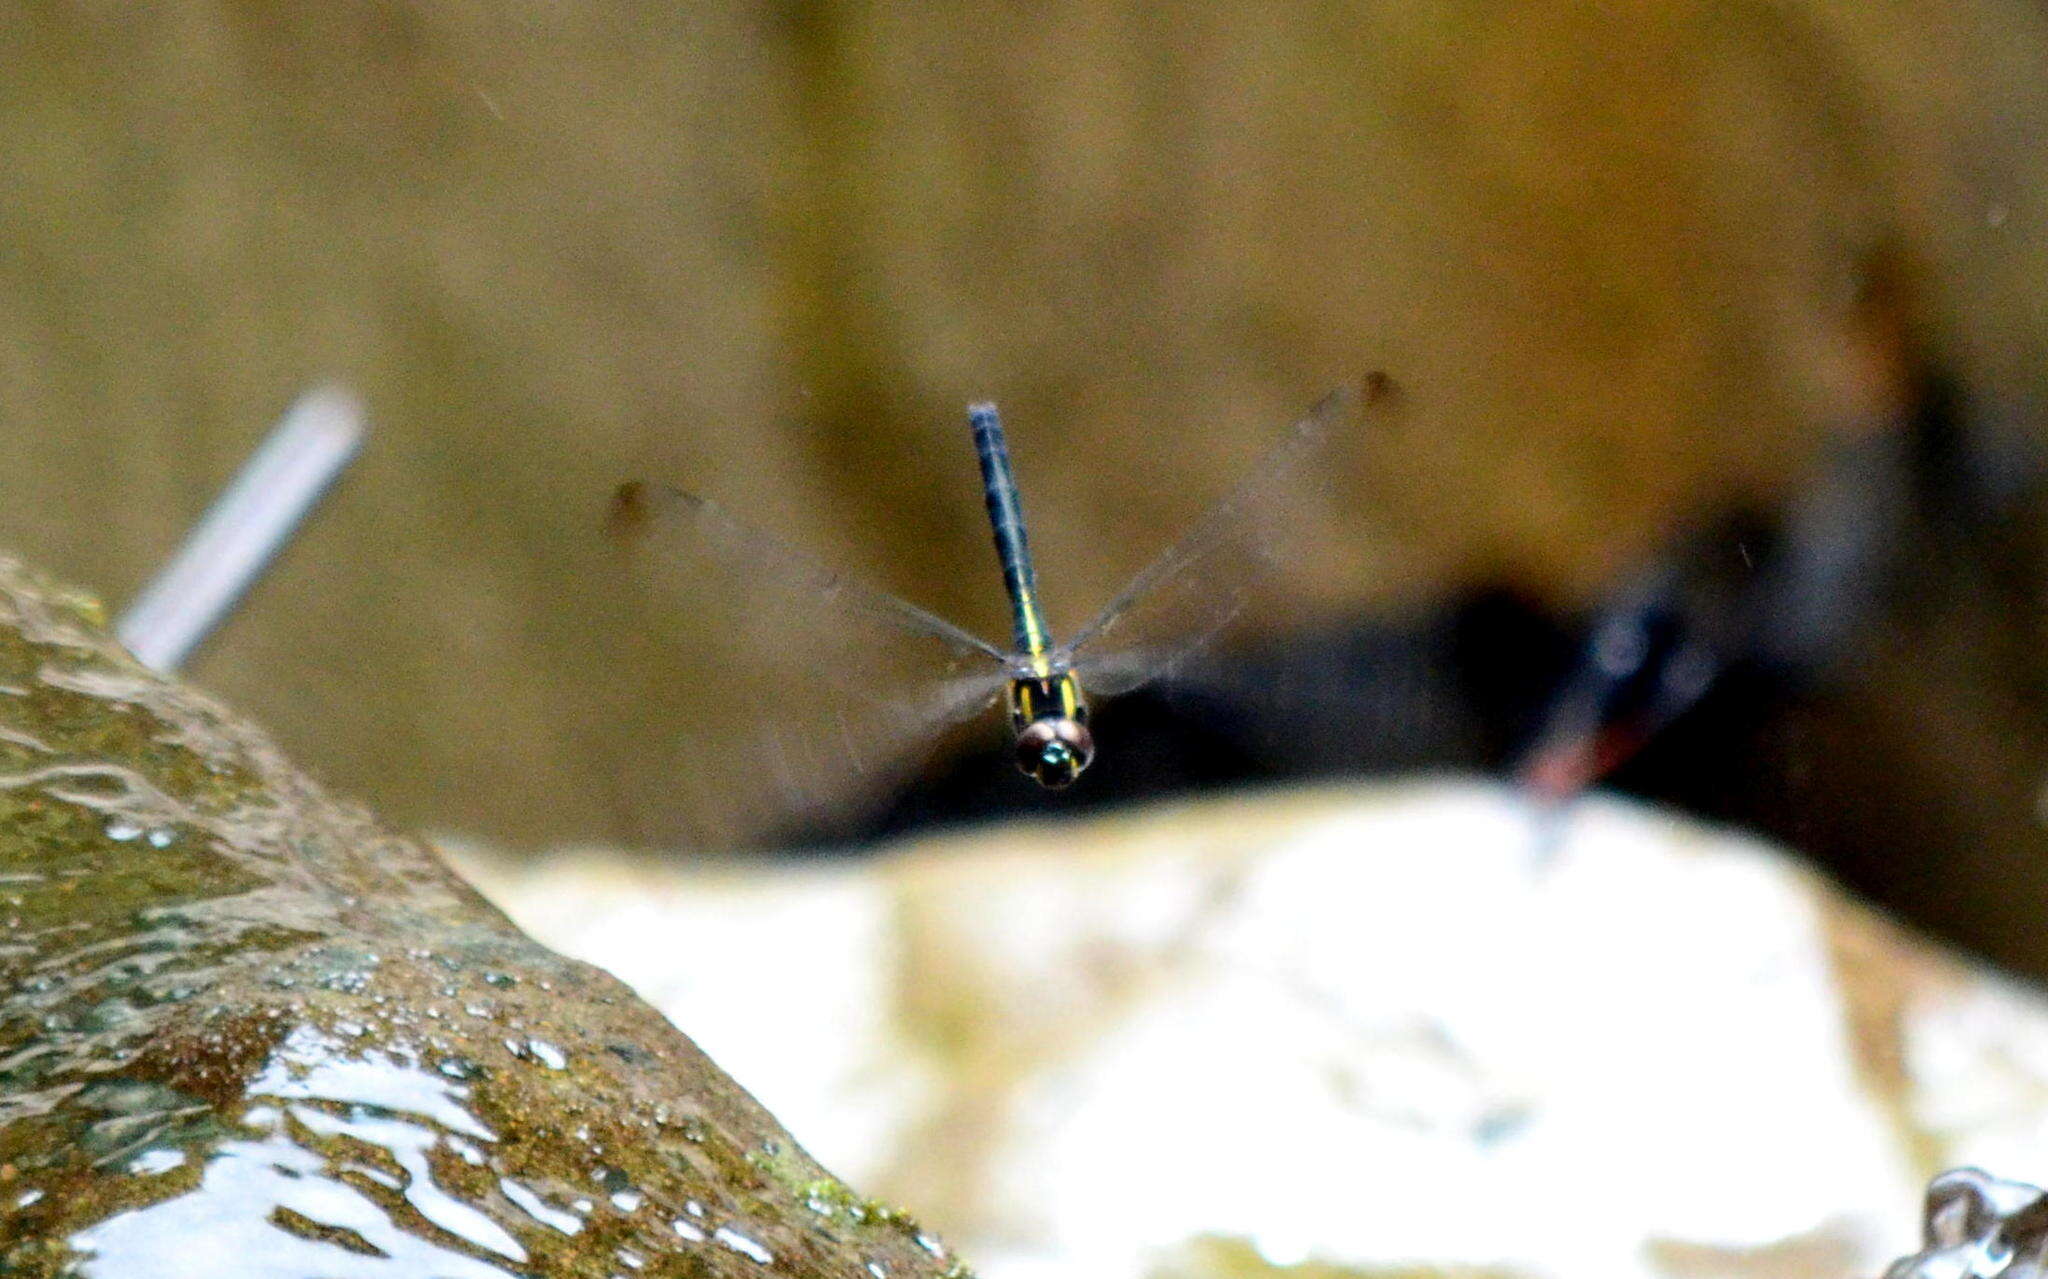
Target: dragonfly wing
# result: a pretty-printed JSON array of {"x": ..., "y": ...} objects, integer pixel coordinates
[
  {"x": 817, "y": 778},
  {"x": 1198, "y": 587},
  {"x": 644, "y": 513},
  {"x": 819, "y": 691}
]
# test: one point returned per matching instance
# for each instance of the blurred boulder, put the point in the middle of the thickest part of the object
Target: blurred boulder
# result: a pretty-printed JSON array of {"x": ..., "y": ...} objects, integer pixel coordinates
[
  {"x": 1355, "y": 1030},
  {"x": 246, "y": 1033}
]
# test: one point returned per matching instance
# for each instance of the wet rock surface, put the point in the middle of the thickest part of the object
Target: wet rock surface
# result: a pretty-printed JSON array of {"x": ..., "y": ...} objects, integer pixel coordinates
[
  {"x": 245, "y": 1033},
  {"x": 1979, "y": 1227}
]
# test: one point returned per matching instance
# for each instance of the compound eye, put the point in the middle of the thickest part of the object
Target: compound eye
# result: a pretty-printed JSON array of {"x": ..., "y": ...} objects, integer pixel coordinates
[{"x": 1052, "y": 752}]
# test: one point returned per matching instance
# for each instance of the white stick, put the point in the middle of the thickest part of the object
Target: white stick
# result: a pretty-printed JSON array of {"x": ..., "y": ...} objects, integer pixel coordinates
[{"x": 246, "y": 526}]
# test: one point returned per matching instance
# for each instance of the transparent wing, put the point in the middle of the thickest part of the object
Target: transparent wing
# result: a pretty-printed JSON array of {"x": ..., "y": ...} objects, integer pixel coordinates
[
  {"x": 808, "y": 692},
  {"x": 1198, "y": 586}
]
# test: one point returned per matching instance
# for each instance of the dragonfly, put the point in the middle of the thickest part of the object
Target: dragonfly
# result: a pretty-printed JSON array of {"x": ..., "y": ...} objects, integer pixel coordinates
[
  {"x": 902, "y": 676},
  {"x": 1783, "y": 595}
]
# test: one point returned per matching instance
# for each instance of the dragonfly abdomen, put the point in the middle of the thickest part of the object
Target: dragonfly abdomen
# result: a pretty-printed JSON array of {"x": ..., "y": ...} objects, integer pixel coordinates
[{"x": 1006, "y": 520}]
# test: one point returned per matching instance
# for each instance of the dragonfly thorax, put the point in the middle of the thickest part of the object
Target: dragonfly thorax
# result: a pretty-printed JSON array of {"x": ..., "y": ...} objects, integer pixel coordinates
[{"x": 1051, "y": 723}]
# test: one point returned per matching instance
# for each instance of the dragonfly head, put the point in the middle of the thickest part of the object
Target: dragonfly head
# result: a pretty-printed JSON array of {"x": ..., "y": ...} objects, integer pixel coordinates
[
  {"x": 1053, "y": 751},
  {"x": 1050, "y": 718}
]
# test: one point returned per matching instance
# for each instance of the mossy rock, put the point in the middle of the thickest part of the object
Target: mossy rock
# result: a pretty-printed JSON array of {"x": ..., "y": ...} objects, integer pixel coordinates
[{"x": 244, "y": 1028}]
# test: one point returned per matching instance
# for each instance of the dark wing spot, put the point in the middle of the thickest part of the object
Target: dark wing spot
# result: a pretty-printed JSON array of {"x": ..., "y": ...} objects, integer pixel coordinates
[
  {"x": 629, "y": 513},
  {"x": 1379, "y": 388}
]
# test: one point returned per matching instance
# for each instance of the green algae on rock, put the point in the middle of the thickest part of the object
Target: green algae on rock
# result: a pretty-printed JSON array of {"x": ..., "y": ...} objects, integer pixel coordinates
[{"x": 247, "y": 1033}]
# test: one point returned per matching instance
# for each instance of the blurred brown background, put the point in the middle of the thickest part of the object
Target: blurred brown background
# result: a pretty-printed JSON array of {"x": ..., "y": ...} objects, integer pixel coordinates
[{"x": 769, "y": 250}]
